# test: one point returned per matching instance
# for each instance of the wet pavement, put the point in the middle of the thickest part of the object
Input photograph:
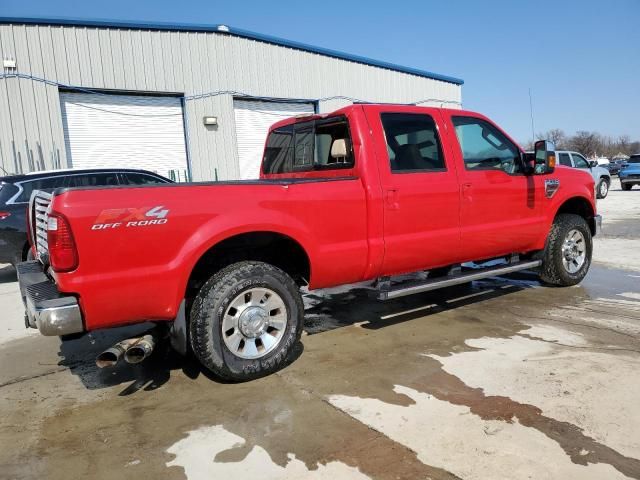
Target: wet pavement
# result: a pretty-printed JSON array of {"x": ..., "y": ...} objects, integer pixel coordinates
[{"x": 506, "y": 379}]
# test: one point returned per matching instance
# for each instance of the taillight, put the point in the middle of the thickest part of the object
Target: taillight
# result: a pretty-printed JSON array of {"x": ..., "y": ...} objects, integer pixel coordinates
[
  {"x": 63, "y": 256},
  {"x": 4, "y": 215}
]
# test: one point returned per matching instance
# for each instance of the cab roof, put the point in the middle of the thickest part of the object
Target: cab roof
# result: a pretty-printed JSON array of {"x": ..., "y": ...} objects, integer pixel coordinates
[{"x": 397, "y": 107}]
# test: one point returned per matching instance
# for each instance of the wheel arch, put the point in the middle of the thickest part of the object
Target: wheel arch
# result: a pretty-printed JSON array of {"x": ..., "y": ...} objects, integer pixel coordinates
[
  {"x": 581, "y": 206},
  {"x": 273, "y": 247}
]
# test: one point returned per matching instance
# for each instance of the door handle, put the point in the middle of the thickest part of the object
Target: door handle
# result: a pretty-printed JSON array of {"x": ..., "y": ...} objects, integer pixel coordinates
[
  {"x": 392, "y": 199},
  {"x": 466, "y": 190}
]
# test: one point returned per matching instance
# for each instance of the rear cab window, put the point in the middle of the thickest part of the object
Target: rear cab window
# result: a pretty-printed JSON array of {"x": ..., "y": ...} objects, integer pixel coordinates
[{"x": 311, "y": 146}]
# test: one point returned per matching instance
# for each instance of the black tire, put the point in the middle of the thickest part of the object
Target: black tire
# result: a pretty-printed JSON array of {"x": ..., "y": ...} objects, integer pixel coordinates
[
  {"x": 602, "y": 191},
  {"x": 212, "y": 302},
  {"x": 552, "y": 270},
  {"x": 626, "y": 186}
]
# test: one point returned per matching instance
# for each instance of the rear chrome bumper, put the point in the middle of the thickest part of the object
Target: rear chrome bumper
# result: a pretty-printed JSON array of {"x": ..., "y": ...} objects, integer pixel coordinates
[
  {"x": 629, "y": 180},
  {"x": 598, "y": 222},
  {"x": 48, "y": 310}
]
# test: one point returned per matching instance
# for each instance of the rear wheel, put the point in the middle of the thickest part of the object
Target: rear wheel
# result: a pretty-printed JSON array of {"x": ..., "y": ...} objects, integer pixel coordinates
[
  {"x": 245, "y": 321},
  {"x": 603, "y": 188},
  {"x": 626, "y": 186},
  {"x": 567, "y": 255}
]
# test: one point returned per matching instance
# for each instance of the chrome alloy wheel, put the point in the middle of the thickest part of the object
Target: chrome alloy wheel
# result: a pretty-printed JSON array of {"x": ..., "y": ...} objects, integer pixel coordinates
[
  {"x": 574, "y": 250},
  {"x": 254, "y": 323}
]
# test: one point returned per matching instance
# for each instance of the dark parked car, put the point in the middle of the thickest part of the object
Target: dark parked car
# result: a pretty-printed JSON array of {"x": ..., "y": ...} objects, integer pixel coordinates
[
  {"x": 615, "y": 166},
  {"x": 15, "y": 192}
]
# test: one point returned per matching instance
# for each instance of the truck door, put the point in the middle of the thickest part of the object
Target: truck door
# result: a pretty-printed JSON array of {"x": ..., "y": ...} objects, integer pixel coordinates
[
  {"x": 501, "y": 206},
  {"x": 420, "y": 190}
]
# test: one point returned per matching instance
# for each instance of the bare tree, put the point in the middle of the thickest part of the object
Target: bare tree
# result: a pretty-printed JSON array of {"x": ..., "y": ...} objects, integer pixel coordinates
[
  {"x": 556, "y": 135},
  {"x": 624, "y": 145},
  {"x": 587, "y": 143}
]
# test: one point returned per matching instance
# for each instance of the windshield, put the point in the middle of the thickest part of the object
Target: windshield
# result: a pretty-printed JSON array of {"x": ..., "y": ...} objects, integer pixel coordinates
[{"x": 634, "y": 159}]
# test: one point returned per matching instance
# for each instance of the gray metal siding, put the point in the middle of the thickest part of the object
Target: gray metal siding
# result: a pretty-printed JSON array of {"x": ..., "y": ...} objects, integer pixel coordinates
[{"x": 31, "y": 134}]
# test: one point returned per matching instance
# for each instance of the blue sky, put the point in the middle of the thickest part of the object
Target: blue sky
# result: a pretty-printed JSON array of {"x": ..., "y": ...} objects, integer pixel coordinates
[{"x": 581, "y": 59}]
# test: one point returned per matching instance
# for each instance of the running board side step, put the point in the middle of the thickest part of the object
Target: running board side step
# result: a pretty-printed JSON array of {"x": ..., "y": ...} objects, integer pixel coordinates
[{"x": 456, "y": 279}]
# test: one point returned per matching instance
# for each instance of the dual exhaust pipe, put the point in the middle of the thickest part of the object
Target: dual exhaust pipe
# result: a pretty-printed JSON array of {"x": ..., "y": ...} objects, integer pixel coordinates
[{"x": 133, "y": 350}]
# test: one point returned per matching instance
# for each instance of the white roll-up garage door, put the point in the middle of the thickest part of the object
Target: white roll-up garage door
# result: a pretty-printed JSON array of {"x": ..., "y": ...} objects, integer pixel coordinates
[
  {"x": 253, "y": 119},
  {"x": 125, "y": 131}
]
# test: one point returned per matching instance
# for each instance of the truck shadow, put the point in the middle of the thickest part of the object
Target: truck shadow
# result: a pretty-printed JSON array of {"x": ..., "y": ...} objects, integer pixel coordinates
[
  {"x": 329, "y": 310},
  {"x": 325, "y": 310}
]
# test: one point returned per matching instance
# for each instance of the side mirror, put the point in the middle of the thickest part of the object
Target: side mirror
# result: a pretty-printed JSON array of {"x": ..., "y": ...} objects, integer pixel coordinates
[
  {"x": 593, "y": 163},
  {"x": 545, "y": 155}
]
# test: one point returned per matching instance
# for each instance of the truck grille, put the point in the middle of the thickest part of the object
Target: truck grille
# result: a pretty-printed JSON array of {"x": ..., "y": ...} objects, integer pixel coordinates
[{"x": 39, "y": 207}]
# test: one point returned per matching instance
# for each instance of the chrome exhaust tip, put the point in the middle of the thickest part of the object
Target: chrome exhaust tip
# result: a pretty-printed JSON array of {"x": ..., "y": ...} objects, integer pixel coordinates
[
  {"x": 112, "y": 356},
  {"x": 140, "y": 350}
]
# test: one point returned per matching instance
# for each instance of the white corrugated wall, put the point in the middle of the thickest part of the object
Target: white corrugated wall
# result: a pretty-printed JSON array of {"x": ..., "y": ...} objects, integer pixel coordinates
[{"x": 180, "y": 62}]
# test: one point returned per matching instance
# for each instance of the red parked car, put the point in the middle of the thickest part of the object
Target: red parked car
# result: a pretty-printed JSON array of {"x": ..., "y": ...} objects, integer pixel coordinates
[{"x": 364, "y": 193}]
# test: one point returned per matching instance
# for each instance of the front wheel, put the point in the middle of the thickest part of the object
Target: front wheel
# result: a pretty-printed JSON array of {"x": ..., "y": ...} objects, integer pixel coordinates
[
  {"x": 603, "y": 188},
  {"x": 567, "y": 255},
  {"x": 245, "y": 321}
]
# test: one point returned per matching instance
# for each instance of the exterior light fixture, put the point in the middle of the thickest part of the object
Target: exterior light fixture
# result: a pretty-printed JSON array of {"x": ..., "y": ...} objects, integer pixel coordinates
[
  {"x": 210, "y": 121},
  {"x": 9, "y": 63}
]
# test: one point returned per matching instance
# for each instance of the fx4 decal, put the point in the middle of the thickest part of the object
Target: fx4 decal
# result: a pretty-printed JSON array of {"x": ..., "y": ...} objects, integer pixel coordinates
[{"x": 130, "y": 217}]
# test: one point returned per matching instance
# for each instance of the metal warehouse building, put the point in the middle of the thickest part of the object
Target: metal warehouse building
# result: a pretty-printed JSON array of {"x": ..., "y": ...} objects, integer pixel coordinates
[{"x": 187, "y": 101}]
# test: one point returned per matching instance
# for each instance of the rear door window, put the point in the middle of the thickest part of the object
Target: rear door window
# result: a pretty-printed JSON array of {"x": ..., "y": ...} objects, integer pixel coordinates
[
  {"x": 565, "y": 160},
  {"x": 412, "y": 142},
  {"x": 93, "y": 180},
  {"x": 131, "y": 178}
]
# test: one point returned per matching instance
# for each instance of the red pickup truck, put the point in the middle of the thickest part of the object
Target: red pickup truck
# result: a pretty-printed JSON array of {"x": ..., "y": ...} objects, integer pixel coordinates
[{"x": 364, "y": 193}]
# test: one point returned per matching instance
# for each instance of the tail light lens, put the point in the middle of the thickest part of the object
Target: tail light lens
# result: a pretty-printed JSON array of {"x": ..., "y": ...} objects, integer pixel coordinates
[
  {"x": 4, "y": 215},
  {"x": 63, "y": 255}
]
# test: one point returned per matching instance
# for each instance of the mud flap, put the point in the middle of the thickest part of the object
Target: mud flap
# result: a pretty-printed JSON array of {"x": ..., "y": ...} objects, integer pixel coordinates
[{"x": 178, "y": 334}]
